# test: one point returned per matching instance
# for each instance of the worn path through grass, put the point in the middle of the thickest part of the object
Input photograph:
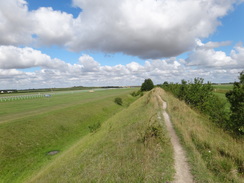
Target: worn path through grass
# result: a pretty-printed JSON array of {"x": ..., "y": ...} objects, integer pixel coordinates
[{"x": 182, "y": 174}]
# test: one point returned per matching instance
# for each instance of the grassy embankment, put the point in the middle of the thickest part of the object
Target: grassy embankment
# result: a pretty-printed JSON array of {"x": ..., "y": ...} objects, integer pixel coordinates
[
  {"x": 29, "y": 129},
  {"x": 214, "y": 155},
  {"x": 131, "y": 146}
]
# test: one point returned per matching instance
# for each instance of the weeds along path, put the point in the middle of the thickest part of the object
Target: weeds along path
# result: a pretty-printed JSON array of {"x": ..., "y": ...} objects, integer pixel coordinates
[{"x": 183, "y": 174}]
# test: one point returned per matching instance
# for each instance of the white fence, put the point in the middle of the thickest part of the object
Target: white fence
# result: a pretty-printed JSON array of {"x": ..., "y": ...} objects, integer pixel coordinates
[{"x": 39, "y": 95}]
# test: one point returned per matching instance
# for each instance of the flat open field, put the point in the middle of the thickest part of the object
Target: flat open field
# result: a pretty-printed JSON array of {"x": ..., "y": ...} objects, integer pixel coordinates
[
  {"x": 30, "y": 128},
  {"x": 17, "y": 108},
  {"x": 222, "y": 88}
]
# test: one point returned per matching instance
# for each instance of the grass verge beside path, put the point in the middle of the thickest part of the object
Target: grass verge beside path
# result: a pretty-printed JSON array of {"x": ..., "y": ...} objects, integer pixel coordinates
[
  {"x": 25, "y": 143},
  {"x": 131, "y": 146},
  {"x": 215, "y": 156}
]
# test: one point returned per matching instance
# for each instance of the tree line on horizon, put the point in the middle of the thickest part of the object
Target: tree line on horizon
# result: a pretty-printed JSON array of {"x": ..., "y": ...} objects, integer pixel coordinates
[{"x": 200, "y": 96}]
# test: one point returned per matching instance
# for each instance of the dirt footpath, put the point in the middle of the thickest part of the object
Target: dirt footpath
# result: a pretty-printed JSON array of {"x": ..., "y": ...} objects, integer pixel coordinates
[{"x": 183, "y": 174}]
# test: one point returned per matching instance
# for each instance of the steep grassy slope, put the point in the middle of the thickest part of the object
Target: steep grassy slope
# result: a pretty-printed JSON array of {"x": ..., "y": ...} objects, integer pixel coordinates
[
  {"x": 132, "y": 146},
  {"x": 25, "y": 142},
  {"x": 214, "y": 155}
]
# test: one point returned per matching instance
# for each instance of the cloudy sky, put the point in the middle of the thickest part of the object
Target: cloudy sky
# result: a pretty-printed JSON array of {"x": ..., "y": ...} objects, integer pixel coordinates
[{"x": 62, "y": 43}]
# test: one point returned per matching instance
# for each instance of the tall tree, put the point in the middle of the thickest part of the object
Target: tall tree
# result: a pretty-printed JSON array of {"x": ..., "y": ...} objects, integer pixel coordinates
[
  {"x": 147, "y": 85},
  {"x": 236, "y": 99}
]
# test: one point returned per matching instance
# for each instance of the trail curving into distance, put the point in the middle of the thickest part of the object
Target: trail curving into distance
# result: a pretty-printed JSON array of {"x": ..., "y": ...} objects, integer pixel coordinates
[{"x": 183, "y": 174}]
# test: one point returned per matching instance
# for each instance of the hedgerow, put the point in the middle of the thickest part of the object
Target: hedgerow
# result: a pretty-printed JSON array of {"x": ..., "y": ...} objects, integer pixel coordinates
[{"x": 200, "y": 96}]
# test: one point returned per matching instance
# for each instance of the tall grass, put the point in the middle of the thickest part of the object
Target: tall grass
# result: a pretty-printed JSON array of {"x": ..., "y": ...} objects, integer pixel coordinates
[
  {"x": 214, "y": 155},
  {"x": 131, "y": 146}
]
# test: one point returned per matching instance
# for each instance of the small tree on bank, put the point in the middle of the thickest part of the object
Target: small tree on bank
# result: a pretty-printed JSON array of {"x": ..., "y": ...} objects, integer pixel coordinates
[{"x": 147, "y": 85}]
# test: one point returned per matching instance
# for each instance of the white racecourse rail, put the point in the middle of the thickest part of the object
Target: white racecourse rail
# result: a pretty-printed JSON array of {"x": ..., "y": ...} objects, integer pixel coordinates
[{"x": 39, "y": 95}]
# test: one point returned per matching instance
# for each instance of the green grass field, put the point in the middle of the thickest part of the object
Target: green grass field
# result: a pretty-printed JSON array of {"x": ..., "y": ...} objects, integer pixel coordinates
[
  {"x": 222, "y": 88},
  {"x": 21, "y": 108},
  {"x": 29, "y": 129},
  {"x": 220, "y": 91}
]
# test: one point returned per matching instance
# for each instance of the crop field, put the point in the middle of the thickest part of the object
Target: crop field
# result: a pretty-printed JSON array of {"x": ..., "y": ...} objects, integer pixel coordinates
[{"x": 32, "y": 128}]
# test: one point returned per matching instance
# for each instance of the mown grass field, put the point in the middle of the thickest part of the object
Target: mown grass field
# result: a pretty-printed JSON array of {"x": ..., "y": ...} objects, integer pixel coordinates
[
  {"x": 15, "y": 109},
  {"x": 29, "y": 129},
  {"x": 214, "y": 155}
]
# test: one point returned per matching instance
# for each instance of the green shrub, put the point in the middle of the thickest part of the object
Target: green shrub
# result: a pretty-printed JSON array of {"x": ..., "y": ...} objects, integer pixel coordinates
[
  {"x": 118, "y": 101},
  {"x": 200, "y": 96},
  {"x": 135, "y": 94},
  {"x": 94, "y": 127}
]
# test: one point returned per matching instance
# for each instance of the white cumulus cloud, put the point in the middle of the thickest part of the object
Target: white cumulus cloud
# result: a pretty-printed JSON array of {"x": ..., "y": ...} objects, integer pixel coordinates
[
  {"x": 204, "y": 55},
  {"x": 146, "y": 28},
  {"x": 12, "y": 57}
]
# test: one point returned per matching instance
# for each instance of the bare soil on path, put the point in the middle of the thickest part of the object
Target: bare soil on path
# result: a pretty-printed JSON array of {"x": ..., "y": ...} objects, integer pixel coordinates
[{"x": 183, "y": 174}]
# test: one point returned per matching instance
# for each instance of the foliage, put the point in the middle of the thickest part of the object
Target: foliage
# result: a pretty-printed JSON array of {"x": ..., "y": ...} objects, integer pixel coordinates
[
  {"x": 199, "y": 95},
  {"x": 214, "y": 156},
  {"x": 118, "y": 101},
  {"x": 147, "y": 85},
  {"x": 94, "y": 127},
  {"x": 135, "y": 94},
  {"x": 241, "y": 77},
  {"x": 236, "y": 99},
  {"x": 153, "y": 131}
]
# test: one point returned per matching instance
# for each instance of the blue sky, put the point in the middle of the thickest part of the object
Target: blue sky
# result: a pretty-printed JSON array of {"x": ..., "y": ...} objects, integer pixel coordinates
[
  {"x": 230, "y": 29},
  {"x": 62, "y": 43},
  {"x": 72, "y": 57}
]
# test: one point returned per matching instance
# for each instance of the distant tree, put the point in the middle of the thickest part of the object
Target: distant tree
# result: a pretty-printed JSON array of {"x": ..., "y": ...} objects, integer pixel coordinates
[
  {"x": 147, "y": 85},
  {"x": 236, "y": 99},
  {"x": 241, "y": 77},
  {"x": 165, "y": 83}
]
